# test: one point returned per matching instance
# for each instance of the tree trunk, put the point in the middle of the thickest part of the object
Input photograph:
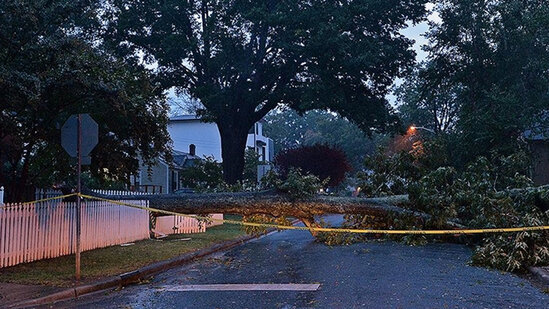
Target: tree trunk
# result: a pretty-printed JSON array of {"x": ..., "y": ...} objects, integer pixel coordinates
[{"x": 233, "y": 147}]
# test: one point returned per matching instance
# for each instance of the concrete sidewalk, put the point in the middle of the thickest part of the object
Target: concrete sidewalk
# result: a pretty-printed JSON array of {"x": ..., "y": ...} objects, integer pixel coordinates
[{"x": 11, "y": 293}]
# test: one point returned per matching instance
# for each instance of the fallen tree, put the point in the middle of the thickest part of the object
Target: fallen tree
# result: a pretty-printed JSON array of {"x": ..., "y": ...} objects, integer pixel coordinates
[
  {"x": 273, "y": 203},
  {"x": 276, "y": 204},
  {"x": 267, "y": 202}
]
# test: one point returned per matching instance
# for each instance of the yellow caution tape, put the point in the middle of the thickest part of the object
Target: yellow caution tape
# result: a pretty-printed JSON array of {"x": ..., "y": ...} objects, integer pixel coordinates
[
  {"x": 325, "y": 229},
  {"x": 42, "y": 200}
]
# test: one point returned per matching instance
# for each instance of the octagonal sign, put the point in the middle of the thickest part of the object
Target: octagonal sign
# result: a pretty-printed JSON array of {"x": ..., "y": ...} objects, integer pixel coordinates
[{"x": 69, "y": 135}]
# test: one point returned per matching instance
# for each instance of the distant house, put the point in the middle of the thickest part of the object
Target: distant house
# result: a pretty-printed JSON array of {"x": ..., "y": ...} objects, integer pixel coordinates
[
  {"x": 538, "y": 142},
  {"x": 187, "y": 130},
  {"x": 163, "y": 177},
  {"x": 199, "y": 139}
]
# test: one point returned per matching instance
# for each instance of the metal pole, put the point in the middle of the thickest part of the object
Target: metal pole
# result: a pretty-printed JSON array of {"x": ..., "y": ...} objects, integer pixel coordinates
[{"x": 79, "y": 189}]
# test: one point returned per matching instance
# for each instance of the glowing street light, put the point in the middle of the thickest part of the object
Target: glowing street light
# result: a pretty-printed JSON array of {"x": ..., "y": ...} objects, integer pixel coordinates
[{"x": 413, "y": 129}]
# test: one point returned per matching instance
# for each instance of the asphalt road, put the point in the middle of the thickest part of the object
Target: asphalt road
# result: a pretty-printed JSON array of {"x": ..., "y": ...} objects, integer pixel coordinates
[{"x": 366, "y": 275}]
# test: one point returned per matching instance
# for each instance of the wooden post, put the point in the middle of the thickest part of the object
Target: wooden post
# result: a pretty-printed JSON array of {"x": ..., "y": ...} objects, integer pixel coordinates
[{"x": 78, "y": 200}]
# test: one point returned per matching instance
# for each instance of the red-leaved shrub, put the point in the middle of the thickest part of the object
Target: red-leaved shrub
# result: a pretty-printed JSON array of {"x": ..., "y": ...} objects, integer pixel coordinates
[{"x": 319, "y": 160}]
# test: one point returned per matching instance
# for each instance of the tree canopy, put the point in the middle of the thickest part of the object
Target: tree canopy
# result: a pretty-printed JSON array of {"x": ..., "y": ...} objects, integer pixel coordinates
[
  {"x": 51, "y": 66},
  {"x": 242, "y": 59},
  {"x": 491, "y": 58}
]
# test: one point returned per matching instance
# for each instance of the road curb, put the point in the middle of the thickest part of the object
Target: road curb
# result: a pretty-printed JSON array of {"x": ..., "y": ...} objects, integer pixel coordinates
[
  {"x": 136, "y": 275},
  {"x": 541, "y": 274}
]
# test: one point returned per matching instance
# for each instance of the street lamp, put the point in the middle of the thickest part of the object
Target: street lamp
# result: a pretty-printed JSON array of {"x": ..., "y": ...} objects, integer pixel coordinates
[{"x": 414, "y": 128}]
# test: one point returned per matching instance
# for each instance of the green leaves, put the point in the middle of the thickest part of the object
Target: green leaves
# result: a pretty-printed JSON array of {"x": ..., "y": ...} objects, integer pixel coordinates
[
  {"x": 52, "y": 66},
  {"x": 493, "y": 56},
  {"x": 242, "y": 59}
]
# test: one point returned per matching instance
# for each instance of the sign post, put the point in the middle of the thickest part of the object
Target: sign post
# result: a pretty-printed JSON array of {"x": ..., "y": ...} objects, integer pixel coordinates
[
  {"x": 79, "y": 135},
  {"x": 78, "y": 199}
]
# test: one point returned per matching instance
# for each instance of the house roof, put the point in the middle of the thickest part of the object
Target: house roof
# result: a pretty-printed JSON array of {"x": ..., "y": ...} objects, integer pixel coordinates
[
  {"x": 184, "y": 118},
  {"x": 537, "y": 134},
  {"x": 184, "y": 159},
  {"x": 194, "y": 117},
  {"x": 540, "y": 131}
]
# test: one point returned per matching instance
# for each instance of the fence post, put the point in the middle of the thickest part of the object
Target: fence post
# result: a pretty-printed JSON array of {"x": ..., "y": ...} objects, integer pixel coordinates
[{"x": 1, "y": 195}]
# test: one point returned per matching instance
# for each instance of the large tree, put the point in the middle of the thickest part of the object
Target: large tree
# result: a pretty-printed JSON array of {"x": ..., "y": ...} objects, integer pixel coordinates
[
  {"x": 241, "y": 59},
  {"x": 429, "y": 101},
  {"x": 52, "y": 67},
  {"x": 496, "y": 53}
]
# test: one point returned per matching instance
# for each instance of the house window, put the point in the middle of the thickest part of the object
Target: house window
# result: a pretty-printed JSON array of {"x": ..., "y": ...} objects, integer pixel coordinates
[{"x": 174, "y": 181}]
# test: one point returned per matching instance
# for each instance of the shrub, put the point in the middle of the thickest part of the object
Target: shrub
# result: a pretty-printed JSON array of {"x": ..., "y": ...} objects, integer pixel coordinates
[
  {"x": 205, "y": 175},
  {"x": 251, "y": 161},
  {"x": 320, "y": 160},
  {"x": 387, "y": 175},
  {"x": 296, "y": 184}
]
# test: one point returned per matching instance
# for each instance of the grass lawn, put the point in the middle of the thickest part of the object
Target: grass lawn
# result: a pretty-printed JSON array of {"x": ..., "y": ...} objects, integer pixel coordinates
[{"x": 115, "y": 260}]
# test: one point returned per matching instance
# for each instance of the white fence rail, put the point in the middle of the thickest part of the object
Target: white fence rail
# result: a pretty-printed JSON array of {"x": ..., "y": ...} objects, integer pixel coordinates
[
  {"x": 183, "y": 225},
  {"x": 30, "y": 232},
  {"x": 178, "y": 225},
  {"x": 216, "y": 217},
  {"x": 118, "y": 192}
]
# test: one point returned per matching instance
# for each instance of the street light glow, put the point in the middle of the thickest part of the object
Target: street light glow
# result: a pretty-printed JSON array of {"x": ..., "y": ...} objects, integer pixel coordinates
[{"x": 412, "y": 129}]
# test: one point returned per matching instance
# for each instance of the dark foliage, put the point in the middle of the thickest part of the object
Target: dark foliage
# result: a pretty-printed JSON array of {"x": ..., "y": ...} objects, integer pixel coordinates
[
  {"x": 52, "y": 66},
  {"x": 319, "y": 160},
  {"x": 491, "y": 59},
  {"x": 242, "y": 59},
  {"x": 288, "y": 129}
]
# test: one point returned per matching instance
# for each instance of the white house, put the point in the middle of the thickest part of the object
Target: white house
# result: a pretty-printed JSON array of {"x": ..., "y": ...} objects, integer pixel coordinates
[
  {"x": 163, "y": 177},
  {"x": 187, "y": 130},
  {"x": 192, "y": 140}
]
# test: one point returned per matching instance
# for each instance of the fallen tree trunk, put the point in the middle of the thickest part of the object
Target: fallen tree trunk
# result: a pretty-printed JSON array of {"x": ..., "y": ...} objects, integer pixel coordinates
[
  {"x": 276, "y": 204},
  {"x": 268, "y": 203}
]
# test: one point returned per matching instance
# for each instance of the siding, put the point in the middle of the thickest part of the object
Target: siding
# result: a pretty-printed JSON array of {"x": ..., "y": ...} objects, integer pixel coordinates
[
  {"x": 540, "y": 162},
  {"x": 158, "y": 177}
]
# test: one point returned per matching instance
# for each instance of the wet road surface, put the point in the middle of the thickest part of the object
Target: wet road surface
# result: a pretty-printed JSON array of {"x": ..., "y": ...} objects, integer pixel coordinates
[{"x": 366, "y": 275}]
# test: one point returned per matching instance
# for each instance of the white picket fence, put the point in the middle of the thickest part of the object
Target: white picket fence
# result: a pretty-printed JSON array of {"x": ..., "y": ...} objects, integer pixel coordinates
[
  {"x": 178, "y": 225},
  {"x": 184, "y": 225},
  {"x": 216, "y": 217},
  {"x": 118, "y": 192},
  {"x": 46, "y": 193},
  {"x": 30, "y": 232}
]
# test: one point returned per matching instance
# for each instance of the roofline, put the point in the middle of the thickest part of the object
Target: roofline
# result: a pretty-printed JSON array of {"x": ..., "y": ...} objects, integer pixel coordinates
[
  {"x": 190, "y": 117},
  {"x": 184, "y": 118}
]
